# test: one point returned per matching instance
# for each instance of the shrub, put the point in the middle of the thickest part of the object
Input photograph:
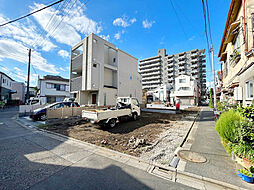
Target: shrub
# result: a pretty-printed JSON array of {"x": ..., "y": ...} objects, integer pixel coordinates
[{"x": 228, "y": 124}]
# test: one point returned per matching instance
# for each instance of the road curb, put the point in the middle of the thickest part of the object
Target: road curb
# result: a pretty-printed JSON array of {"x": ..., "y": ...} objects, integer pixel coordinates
[{"x": 162, "y": 171}]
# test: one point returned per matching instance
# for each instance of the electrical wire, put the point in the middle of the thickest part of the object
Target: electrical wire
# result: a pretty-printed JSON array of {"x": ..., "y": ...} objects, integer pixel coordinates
[
  {"x": 208, "y": 19},
  {"x": 31, "y": 13},
  {"x": 50, "y": 33},
  {"x": 49, "y": 23},
  {"x": 178, "y": 19}
]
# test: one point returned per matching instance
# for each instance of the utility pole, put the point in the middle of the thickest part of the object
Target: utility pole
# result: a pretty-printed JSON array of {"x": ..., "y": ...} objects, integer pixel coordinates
[
  {"x": 28, "y": 75},
  {"x": 214, "y": 90}
]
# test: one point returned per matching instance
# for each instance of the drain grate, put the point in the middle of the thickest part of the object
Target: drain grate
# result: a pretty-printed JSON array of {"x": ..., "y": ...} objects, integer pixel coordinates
[{"x": 191, "y": 156}]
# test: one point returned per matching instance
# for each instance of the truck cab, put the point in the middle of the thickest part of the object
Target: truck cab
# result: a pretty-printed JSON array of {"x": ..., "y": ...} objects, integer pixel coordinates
[{"x": 132, "y": 103}]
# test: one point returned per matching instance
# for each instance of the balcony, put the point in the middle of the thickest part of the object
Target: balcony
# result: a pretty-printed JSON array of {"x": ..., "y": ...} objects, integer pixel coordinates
[
  {"x": 154, "y": 60},
  {"x": 150, "y": 74},
  {"x": 150, "y": 78},
  {"x": 181, "y": 68},
  {"x": 171, "y": 59},
  {"x": 193, "y": 55},
  {"x": 171, "y": 64},
  {"x": 76, "y": 84},
  {"x": 194, "y": 60},
  {"x": 76, "y": 63},
  {"x": 171, "y": 69},
  {"x": 150, "y": 70},
  {"x": 182, "y": 62},
  {"x": 149, "y": 66},
  {"x": 181, "y": 58},
  {"x": 151, "y": 82}
]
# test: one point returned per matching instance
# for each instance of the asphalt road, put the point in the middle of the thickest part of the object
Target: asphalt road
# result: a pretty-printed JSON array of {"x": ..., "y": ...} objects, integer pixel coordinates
[{"x": 31, "y": 160}]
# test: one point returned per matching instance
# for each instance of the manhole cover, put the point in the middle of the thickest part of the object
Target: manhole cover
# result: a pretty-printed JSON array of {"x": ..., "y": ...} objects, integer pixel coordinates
[{"x": 191, "y": 156}]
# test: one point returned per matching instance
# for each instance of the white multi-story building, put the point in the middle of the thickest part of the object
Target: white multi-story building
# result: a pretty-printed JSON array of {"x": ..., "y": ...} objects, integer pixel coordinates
[
  {"x": 5, "y": 86},
  {"x": 100, "y": 72},
  {"x": 186, "y": 89},
  {"x": 163, "y": 69},
  {"x": 53, "y": 88}
]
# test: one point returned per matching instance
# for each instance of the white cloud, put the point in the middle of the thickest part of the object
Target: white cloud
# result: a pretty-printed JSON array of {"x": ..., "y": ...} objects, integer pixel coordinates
[
  {"x": 17, "y": 69},
  {"x": 63, "y": 53},
  {"x": 25, "y": 33},
  {"x": 68, "y": 29},
  {"x": 133, "y": 20},
  {"x": 62, "y": 69},
  {"x": 147, "y": 24},
  {"x": 5, "y": 69},
  {"x": 123, "y": 22},
  {"x": 105, "y": 37},
  {"x": 17, "y": 51},
  {"x": 117, "y": 35}
]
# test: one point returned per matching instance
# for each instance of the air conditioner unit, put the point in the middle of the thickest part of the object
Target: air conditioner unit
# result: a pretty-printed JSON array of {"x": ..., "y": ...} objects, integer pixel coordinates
[{"x": 238, "y": 93}]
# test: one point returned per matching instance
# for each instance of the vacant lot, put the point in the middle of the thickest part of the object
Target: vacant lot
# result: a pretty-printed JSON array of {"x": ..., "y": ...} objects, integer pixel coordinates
[{"x": 153, "y": 137}]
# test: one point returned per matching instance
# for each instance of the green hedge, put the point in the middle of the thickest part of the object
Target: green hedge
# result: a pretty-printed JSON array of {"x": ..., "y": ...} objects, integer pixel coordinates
[{"x": 228, "y": 124}]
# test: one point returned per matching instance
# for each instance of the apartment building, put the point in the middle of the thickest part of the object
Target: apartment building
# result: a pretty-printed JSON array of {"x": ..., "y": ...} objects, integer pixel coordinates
[
  {"x": 5, "y": 87},
  {"x": 100, "y": 72},
  {"x": 237, "y": 53},
  {"x": 53, "y": 88},
  {"x": 163, "y": 69}
]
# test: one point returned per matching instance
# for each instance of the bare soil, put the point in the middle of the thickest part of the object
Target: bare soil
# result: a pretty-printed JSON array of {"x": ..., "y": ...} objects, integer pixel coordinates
[{"x": 137, "y": 138}]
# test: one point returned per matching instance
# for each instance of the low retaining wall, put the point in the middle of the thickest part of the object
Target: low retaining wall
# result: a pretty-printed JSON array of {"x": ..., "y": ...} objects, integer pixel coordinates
[
  {"x": 26, "y": 110},
  {"x": 63, "y": 113}
]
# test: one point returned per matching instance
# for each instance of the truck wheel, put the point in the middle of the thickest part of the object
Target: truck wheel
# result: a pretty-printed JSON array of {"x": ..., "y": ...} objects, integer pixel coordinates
[
  {"x": 112, "y": 123},
  {"x": 134, "y": 116},
  {"x": 43, "y": 117}
]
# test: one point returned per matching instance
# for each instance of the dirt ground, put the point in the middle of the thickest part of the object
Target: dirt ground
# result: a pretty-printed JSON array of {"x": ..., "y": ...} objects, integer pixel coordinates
[{"x": 149, "y": 137}]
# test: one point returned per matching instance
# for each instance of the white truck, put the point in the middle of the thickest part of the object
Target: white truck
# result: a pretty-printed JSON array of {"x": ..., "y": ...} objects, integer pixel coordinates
[{"x": 126, "y": 107}]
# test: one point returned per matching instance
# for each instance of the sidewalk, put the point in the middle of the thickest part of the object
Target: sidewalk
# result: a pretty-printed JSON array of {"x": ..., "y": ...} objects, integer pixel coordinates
[{"x": 206, "y": 142}]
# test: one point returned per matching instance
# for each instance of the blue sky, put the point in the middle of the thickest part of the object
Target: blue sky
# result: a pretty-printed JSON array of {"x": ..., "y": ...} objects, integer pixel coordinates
[{"x": 138, "y": 27}]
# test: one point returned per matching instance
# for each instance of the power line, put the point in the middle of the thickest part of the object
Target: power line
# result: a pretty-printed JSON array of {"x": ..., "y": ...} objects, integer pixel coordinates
[
  {"x": 207, "y": 39},
  {"x": 47, "y": 25},
  {"x": 50, "y": 33},
  {"x": 208, "y": 19},
  {"x": 180, "y": 23},
  {"x": 31, "y": 13}
]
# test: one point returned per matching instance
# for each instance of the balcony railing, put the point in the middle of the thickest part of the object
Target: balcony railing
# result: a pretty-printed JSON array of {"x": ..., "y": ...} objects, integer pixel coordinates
[
  {"x": 76, "y": 84},
  {"x": 149, "y": 66},
  {"x": 150, "y": 74},
  {"x": 76, "y": 63}
]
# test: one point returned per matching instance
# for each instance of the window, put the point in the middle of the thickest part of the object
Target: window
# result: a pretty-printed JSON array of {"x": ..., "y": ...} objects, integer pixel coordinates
[
  {"x": 49, "y": 85},
  {"x": 62, "y": 87},
  {"x": 135, "y": 102},
  {"x": 114, "y": 60},
  {"x": 237, "y": 43},
  {"x": 225, "y": 68},
  {"x": 249, "y": 89},
  {"x": 184, "y": 88},
  {"x": 95, "y": 65},
  {"x": 182, "y": 80}
]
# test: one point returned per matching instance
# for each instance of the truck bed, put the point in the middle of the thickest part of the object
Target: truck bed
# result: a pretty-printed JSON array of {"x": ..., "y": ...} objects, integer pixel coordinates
[{"x": 100, "y": 115}]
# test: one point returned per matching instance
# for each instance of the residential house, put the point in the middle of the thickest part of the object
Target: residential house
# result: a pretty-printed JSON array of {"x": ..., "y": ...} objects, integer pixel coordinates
[
  {"x": 53, "y": 88},
  {"x": 237, "y": 53},
  {"x": 218, "y": 84},
  {"x": 5, "y": 87},
  {"x": 19, "y": 87},
  {"x": 100, "y": 72},
  {"x": 187, "y": 90},
  {"x": 163, "y": 69}
]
